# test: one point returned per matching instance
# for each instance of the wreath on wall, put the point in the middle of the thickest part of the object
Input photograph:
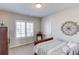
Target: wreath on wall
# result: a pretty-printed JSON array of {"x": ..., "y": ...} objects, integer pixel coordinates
[{"x": 70, "y": 28}]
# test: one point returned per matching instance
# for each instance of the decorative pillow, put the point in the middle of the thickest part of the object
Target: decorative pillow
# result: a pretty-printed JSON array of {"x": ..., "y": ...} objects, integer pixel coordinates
[
  {"x": 68, "y": 46},
  {"x": 66, "y": 49},
  {"x": 71, "y": 44}
]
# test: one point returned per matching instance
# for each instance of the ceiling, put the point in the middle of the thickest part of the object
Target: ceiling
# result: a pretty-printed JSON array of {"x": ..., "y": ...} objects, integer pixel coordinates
[{"x": 30, "y": 10}]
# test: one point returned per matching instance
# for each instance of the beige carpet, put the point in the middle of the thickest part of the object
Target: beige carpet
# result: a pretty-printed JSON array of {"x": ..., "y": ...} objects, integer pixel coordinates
[{"x": 22, "y": 50}]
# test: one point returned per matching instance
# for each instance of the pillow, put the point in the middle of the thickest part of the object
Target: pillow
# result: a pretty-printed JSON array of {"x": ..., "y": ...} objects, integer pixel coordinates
[
  {"x": 71, "y": 44},
  {"x": 66, "y": 49}
]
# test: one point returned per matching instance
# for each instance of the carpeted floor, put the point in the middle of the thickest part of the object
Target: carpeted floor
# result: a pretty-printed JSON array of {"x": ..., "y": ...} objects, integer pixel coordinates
[{"x": 22, "y": 50}]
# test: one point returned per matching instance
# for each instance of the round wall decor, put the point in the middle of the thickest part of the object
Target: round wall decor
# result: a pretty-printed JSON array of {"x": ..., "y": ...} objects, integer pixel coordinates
[{"x": 69, "y": 28}]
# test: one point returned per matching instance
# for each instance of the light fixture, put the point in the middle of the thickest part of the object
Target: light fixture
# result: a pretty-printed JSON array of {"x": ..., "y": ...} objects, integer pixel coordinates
[{"x": 38, "y": 5}]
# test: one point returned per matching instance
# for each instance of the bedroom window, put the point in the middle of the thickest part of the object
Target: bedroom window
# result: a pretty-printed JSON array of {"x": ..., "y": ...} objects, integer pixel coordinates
[
  {"x": 30, "y": 29},
  {"x": 20, "y": 29},
  {"x": 24, "y": 29}
]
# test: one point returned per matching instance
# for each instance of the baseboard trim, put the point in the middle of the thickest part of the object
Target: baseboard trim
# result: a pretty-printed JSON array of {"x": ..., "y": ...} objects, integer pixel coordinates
[{"x": 21, "y": 45}]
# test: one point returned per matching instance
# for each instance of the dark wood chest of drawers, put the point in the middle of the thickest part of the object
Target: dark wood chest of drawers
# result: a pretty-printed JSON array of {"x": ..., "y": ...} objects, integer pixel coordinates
[{"x": 3, "y": 41}]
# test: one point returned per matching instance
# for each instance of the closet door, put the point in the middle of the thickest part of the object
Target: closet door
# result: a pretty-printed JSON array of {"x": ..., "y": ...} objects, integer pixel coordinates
[{"x": 3, "y": 41}]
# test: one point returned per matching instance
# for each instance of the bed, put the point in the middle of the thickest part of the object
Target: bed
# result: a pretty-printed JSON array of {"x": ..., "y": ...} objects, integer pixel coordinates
[{"x": 51, "y": 47}]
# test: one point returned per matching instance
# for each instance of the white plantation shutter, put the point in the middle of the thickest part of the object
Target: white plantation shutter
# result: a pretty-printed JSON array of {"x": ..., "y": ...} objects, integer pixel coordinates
[{"x": 24, "y": 29}]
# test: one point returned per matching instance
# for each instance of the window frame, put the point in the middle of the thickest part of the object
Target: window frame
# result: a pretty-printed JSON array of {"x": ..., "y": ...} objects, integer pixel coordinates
[
  {"x": 25, "y": 29},
  {"x": 32, "y": 29},
  {"x": 20, "y": 30}
]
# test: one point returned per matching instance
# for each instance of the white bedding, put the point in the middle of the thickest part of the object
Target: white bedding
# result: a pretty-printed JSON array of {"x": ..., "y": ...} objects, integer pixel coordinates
[{"x": 52, "y": 47}]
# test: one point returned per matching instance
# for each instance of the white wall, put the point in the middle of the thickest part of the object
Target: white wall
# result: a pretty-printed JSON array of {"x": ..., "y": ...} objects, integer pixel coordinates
[
  {"x": 46, "y": 27},
  {"x": 56, "y": 20},
  {"x": 9, "y": 20}
]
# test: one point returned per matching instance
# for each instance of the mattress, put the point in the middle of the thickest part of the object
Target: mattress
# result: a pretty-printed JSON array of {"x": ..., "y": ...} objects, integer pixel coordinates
[{"x": 52, "y": 47}]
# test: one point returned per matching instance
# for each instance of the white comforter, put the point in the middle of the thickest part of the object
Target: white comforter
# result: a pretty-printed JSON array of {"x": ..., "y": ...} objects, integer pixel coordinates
[{"x": 52, "y": 47}]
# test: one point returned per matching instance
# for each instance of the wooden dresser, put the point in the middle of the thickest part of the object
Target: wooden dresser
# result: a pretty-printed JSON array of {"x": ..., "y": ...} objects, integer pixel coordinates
[{"x": 3, "y": 41}]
